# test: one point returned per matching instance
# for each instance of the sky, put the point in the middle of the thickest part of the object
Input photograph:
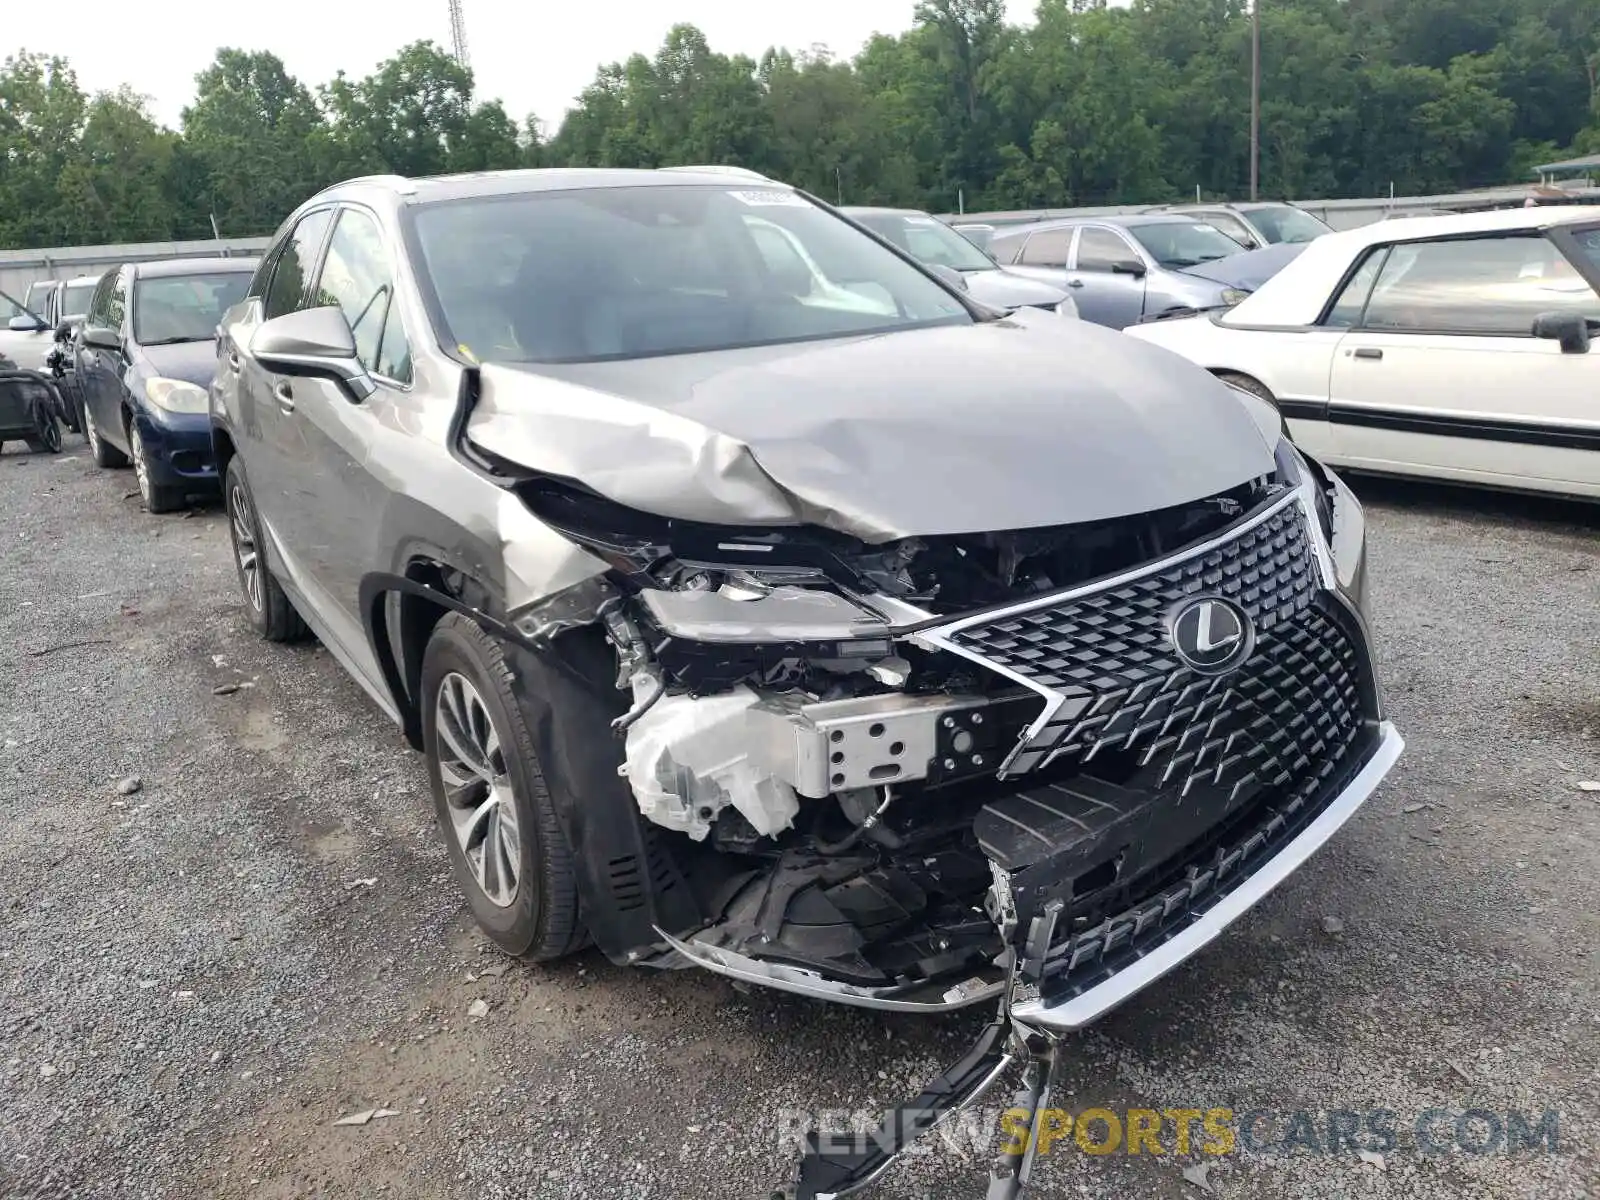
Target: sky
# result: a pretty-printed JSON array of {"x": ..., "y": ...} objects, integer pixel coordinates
[{"x": 534, "y": 57}]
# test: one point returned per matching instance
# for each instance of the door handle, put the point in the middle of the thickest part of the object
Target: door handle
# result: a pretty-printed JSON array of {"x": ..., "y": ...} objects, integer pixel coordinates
[
  {"x": 1368, "y": 352},
  {"x": 1074, "y": 283},
  {"x": 285, "y": 396}
]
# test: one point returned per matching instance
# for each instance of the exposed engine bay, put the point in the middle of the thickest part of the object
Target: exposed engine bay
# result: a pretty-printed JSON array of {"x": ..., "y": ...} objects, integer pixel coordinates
[{"x": 838, "y": 784}]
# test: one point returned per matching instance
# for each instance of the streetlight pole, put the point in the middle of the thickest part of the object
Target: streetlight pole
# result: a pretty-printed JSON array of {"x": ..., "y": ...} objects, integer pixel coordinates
[{"x": 1255, "y": 94}]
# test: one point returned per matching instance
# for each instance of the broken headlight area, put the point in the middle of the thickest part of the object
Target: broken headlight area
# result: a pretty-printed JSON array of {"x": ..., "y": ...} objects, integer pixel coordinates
[{"x": 844, "y": 741}]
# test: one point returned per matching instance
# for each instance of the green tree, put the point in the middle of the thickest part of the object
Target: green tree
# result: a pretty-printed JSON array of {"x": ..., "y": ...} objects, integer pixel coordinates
[
  {"x": 258, "y": 139},
  {"x": 42, "y": 111}
]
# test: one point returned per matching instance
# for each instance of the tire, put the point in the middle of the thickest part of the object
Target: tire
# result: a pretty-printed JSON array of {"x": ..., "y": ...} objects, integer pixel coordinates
[
  {"x": 47, "y": 438},
  {"x": 465, "y": 674},
  {"x": 71, "y": 405},
  {"x": 269, "y": 610},
  {"x": 104, "y": 455},
  {"x": 158, "y": 498}
]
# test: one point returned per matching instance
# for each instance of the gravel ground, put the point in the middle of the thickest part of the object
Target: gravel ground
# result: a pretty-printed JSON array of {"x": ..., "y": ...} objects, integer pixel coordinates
[{"x": 199, "y": 977}]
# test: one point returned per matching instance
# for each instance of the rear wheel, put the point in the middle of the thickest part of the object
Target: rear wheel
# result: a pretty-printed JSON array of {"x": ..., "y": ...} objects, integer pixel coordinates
[
  {"x": 265, "y": 603},
  {"x": 46, "y": 438},
  {"x": 158, "y": 498},
  {"x": 506, "y": 844},
  {"x": 104, "y": 455}
]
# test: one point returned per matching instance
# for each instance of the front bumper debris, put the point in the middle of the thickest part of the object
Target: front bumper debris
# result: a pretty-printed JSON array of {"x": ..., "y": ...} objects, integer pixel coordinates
[{"x": 1030, "y": 1023}]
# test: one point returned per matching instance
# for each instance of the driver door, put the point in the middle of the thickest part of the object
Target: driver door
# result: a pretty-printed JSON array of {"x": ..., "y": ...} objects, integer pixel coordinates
[{"x": 1441, "y": 374}]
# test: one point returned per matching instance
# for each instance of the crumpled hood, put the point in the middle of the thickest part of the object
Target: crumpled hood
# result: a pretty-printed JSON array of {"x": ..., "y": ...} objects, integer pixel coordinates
[
  {"x": 1002, "y": 289},
  {"x": 1011, "y": 424}
]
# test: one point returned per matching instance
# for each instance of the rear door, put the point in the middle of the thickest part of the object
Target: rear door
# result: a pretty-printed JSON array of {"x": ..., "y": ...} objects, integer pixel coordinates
[
  {"x": 268, "y": 439},
  {"x": 100, "y": 369},
  {"x": 1105, "y": 295},
  {"x": 1441, "y": 374},
  {"x": 335, "y": 502}
]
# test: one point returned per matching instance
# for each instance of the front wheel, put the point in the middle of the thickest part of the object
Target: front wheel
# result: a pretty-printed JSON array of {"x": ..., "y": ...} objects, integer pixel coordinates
[
  {"x": 506, "y": 845},
  {"x": 158, "y": 498}
]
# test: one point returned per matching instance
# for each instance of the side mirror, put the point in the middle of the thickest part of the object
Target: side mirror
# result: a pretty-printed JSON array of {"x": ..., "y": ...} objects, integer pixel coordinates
[
  {"x": 1570, "y": 329},
  {"x": 23, "y": 323},
  {"x": 314, "y": 343},
  {"x": 101, "y": 338},
  {"x": 950, "y": 275},
  {"x": 1129, "y": 266}
]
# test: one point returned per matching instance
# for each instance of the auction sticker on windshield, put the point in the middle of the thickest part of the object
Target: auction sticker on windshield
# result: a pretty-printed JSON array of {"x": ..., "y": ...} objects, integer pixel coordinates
[{"x": 767, "y": 199}]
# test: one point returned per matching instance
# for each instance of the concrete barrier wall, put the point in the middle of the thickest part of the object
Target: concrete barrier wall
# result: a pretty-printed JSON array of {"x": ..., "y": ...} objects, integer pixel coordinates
[{"x": 19, "y": 268}]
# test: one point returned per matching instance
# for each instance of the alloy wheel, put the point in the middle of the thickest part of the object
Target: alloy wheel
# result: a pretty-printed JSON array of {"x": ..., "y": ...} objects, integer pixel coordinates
[
  {"x": 472, "y": 766},
  {"x": 90, "y": 433},
  {"x": 245, "y": 549},
  {"x": 141, "y": 469}
]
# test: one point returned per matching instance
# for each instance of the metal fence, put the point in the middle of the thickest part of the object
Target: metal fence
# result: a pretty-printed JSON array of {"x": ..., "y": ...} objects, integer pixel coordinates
[
  {"x": 1341, "y": 214},
  {"x": 19, "y": 268}
]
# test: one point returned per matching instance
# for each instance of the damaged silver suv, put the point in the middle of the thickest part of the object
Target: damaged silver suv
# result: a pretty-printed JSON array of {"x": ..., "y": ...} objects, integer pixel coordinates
[{"x": 762, "y": 603}]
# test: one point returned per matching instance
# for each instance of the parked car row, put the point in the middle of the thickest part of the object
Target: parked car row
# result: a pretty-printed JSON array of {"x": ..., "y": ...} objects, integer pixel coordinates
[
  {"x": 134, "y": 363},
  {"x": 797, "y": 594}
]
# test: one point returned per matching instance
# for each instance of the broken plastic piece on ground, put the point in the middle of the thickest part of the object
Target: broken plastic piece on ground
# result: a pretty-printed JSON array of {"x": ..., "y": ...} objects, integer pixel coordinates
[{"x": 836, "y": 1164}]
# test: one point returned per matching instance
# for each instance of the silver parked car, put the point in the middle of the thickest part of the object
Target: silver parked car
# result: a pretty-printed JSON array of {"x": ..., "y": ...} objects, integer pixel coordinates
[
  {"x": 761, "y": 603},
  {"x": 1122, "y": 269},
  {"x": 929, "y": 240},
  {"x": 1256, "y": 223}
]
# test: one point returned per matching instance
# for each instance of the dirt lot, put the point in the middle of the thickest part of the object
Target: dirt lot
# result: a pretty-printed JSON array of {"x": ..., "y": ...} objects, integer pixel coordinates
[{"x": 198, "y": 978}]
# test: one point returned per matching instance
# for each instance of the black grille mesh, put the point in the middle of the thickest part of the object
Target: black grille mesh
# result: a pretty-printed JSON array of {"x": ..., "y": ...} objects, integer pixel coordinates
[{"x": 1110, "y": 655}]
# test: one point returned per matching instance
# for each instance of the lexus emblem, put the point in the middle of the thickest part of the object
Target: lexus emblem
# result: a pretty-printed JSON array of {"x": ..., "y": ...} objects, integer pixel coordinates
[{"x": 1212, "y": 636}]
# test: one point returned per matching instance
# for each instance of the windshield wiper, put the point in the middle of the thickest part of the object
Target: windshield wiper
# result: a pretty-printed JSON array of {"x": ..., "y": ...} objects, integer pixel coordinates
[{"x": 176, "y": 341}]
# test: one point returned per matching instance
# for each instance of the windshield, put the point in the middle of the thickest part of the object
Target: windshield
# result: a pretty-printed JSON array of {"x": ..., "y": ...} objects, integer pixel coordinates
[
  {"x": 75, "y": 299},
  {"x": 927, "y": 239},
  {"x": 1285, "y": 223},
  {"x": 1183, "y": 244},
  {"x": 612, "y": 273},
  {"x": 184, "y": 308}
]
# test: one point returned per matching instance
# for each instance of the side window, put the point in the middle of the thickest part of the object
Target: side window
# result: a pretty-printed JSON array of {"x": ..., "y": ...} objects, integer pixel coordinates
[
  {"x": 295, "y": 264},
  {"x": 1098, "y": 249},
  {"x": 394, "y": 351},
  {"x": 100, "y": 304},
  {"x": 1346, "y": 310},
  {"x": 1006, "y": 249},
  {"x": 358, "y": 277},
  {"x": 1489, "y": 286},
  {"x": 117, "y": 302},
  {"x": 263, "y": 275},
  {"x": 1048, "y": 249}
]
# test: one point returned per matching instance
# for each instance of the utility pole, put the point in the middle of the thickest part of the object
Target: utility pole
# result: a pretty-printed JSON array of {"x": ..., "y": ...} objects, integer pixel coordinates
[
  {"x": 1255, "y": 94},
  {"x": 458, "y": 33}
]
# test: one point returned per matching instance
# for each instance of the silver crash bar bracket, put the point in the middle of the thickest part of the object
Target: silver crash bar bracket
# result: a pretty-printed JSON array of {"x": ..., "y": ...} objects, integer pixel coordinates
[
  {"x": 1029, "y": 1029},
  {"x": 839, "y": 1164}
]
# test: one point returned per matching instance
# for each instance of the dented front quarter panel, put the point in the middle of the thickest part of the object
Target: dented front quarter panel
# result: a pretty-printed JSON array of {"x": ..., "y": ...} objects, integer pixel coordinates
[
  {"x": 439, "y": 508},
  {"x": 1013, "y": 424}
]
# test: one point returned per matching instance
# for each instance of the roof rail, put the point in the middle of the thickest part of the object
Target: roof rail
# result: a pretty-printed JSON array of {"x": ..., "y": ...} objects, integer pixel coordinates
[
  {"x": 400, "y": 183},
  {"x": 719, "y": 169}
]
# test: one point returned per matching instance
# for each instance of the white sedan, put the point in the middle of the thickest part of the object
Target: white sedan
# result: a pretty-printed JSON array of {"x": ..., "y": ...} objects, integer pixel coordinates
[{"x": 1456, "y": 347}]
